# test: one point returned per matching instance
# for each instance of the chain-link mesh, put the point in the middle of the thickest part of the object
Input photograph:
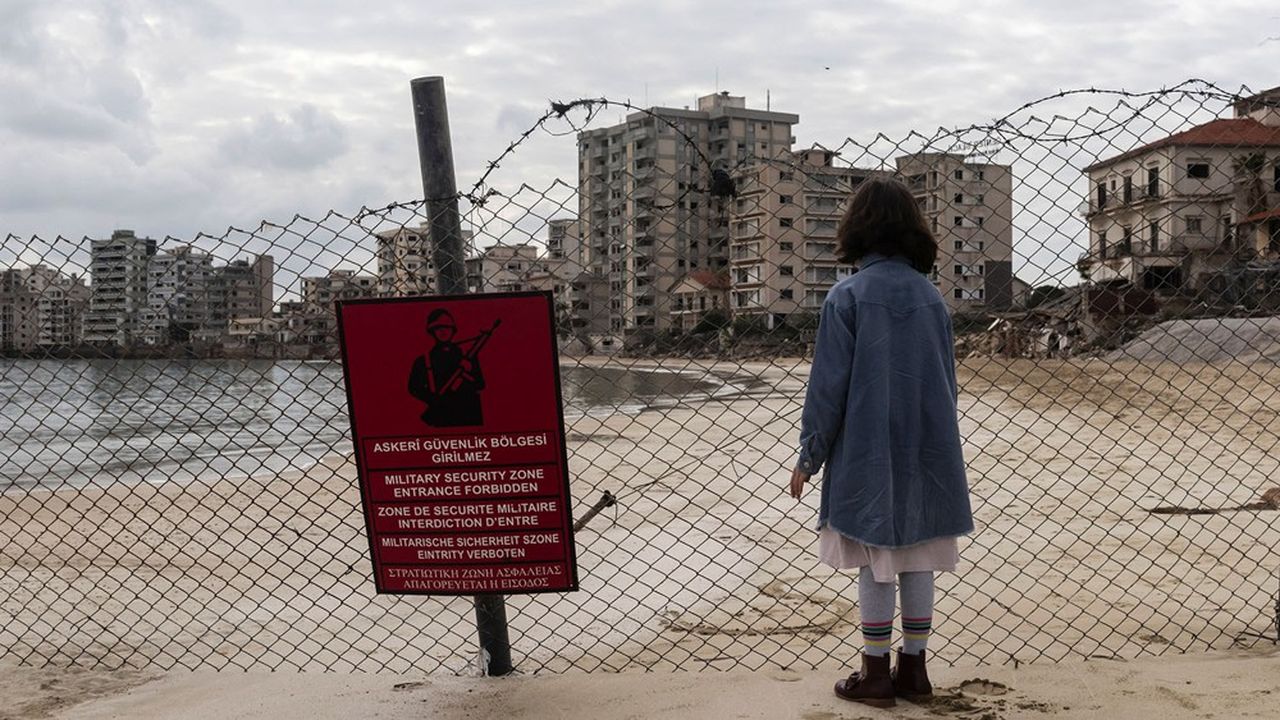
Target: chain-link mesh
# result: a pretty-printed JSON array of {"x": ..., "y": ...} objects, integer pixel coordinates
[{"x": 179, "y": 490}]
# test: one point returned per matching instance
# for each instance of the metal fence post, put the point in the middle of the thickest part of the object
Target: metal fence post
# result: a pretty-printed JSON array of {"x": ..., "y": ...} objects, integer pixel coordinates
[{"x": 435, "y": 156}]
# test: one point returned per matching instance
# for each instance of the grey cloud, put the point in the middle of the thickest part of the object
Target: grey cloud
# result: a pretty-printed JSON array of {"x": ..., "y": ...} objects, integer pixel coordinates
[
  {"x": 19, "y": 41},
  {"x": 304, "y": 139}
]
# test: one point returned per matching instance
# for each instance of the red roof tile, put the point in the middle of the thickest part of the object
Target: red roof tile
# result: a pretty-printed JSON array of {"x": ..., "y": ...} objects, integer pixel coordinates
[
  {"x": 1264, "y": 215},
  {"x": 1223, "y": 132},
  {"x": 707, "y": 279}
]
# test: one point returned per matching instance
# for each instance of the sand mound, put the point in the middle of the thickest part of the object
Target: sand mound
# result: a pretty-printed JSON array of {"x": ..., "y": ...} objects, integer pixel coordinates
[{"x": 1206, "y": 340}]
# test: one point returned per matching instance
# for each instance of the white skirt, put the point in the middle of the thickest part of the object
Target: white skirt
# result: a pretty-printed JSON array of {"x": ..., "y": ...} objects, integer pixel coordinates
[{"x": 842, "y": 553}]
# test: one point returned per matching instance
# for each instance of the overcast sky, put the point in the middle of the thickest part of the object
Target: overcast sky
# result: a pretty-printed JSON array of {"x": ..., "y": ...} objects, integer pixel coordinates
[{"x": 177, "y": 116}]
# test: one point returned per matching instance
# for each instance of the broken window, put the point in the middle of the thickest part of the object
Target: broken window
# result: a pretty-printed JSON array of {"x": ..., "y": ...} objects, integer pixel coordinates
[{"x": 1198, "y": 170}]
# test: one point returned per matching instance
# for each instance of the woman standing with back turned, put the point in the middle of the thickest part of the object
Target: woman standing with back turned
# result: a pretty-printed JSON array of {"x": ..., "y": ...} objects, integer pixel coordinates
[{"x": 880, "y": 415}]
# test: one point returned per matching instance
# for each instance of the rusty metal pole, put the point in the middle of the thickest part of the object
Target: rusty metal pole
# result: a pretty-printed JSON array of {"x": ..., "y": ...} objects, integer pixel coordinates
[{"x": 440, "y": 189}]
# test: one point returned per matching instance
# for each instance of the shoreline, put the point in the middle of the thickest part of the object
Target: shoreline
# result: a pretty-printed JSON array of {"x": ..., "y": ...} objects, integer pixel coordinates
[{"x": 705, "y": 563}]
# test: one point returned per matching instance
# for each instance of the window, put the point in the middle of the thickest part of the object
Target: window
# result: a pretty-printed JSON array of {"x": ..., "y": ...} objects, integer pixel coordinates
[
  {"x": 933, "y": 178},
  {"x": 957, "y": 221},
  {"x": 1102, "y": 196},
  {"x": 1102, "y": 244},
  {"x": 957, "y": 293},
  {"x": 1153, "y": 182},
  {"x": 822, "y": 227},
  {"x": 1276, "y": 181},
  {"x": 959, "y": 174},
  {"x": 785, "y": 175},
  {"x": 748, "y": 274},
  {"x": 787, "y": 294},
  {"x": 1153, "y": 236},
  {"x": 958, "y": 270},
  {"x": 786, "y": 247},
  {"x": 784, "y": 222},
  {"x": 979, "y": 175},
  {"x": 1126, "y": 240},
  {"x": 784, "y": 199},
  {"x": 958, "y": 199},
  {"x": 934, "y": 274},
  {"x": 959, "y": 245},
  {"x": 1128, "y": 188},
  {"x": 979, "y": 199},
  {"x": 826, "y": 275},
  {"x": 1194, "y": 223},
  {"x": 1198, "y": 170},
  {"x": 980, "y": 220},
  {"x": 786, "y": 271},
  {"x": 935, "y": 224},
  {"x": 981, "y": 245}
]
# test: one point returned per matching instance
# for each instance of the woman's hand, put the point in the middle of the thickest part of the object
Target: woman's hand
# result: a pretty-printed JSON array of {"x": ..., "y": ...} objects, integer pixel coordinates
[{"x": 798, "y": 479}]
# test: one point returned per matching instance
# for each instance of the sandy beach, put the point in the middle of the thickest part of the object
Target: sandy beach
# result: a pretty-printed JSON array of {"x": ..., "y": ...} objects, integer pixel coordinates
[
  {"x": 1238, "y": 684},
  {"x": 705, "y": 563}
]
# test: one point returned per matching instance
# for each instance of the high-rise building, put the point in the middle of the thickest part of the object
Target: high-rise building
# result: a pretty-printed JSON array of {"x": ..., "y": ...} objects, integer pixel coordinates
[
  {"x": 969, "y": 205},
  {"x": 179, "y": 297},
  {"x": 650, "y": 208},
  {"x": 118, "y": 272},
  {"x": 504, "y": 268},
  {"x": 783, "y": 229},
  {"x": 405, "y": 265},
  {"x": 319, "y": 295},
  {"x": 241, "y": 290},
  {"x": 41, "y": 308},
  {"x": 564, "y": 243}
]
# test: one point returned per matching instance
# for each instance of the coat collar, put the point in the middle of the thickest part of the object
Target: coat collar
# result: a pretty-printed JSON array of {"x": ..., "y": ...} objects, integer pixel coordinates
[{"x": 872, "y": 258}]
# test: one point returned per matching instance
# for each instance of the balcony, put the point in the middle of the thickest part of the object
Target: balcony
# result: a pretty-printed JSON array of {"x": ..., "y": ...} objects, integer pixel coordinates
[{"x": 1138, "y": 197}]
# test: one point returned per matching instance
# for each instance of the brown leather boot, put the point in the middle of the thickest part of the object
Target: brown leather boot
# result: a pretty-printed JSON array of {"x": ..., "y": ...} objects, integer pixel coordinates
[
  {"x": 872, "y": 686},
  {"x": 910, "y": 678}
]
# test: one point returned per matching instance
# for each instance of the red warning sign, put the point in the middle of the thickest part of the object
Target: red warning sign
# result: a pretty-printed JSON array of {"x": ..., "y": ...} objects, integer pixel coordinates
[{"x": 459, "y": 434}]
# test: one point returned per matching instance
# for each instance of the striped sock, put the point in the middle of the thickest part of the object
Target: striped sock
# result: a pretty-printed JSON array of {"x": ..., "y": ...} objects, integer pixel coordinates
[
  {"x": 875, "y": 606},
  {"x": 877, "y": 638},
  {"x": 915, "y": 634},
  {"x": 917, "y": 610}
]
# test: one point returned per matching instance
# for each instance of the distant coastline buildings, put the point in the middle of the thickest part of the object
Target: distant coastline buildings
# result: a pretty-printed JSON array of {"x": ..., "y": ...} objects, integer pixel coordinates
[{"x": 689, "y": 216}]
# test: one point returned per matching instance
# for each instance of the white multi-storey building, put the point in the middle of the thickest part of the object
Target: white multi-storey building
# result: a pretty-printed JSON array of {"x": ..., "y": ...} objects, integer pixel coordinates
[
  {"x": 969, "y": 206},
  {"x": 1168, "y": 214},
  {"x": 649, "y": 210},
  {"x": 783, "y": 233}
]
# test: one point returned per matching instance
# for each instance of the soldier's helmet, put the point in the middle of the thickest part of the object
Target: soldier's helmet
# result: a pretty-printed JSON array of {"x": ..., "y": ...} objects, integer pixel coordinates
[{"x": 440, "y": 319}]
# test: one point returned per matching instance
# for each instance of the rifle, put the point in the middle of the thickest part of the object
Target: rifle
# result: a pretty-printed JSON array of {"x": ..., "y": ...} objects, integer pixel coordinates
[{"x": 455, "y": 379}]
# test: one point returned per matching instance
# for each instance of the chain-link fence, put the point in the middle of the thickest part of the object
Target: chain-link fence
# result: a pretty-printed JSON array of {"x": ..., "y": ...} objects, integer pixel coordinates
[{"x": 179, "y": 490}]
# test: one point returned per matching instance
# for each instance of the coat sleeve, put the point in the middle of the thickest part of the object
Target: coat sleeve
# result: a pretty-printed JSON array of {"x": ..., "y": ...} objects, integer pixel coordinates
[{"x": 827, "y": 395}]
